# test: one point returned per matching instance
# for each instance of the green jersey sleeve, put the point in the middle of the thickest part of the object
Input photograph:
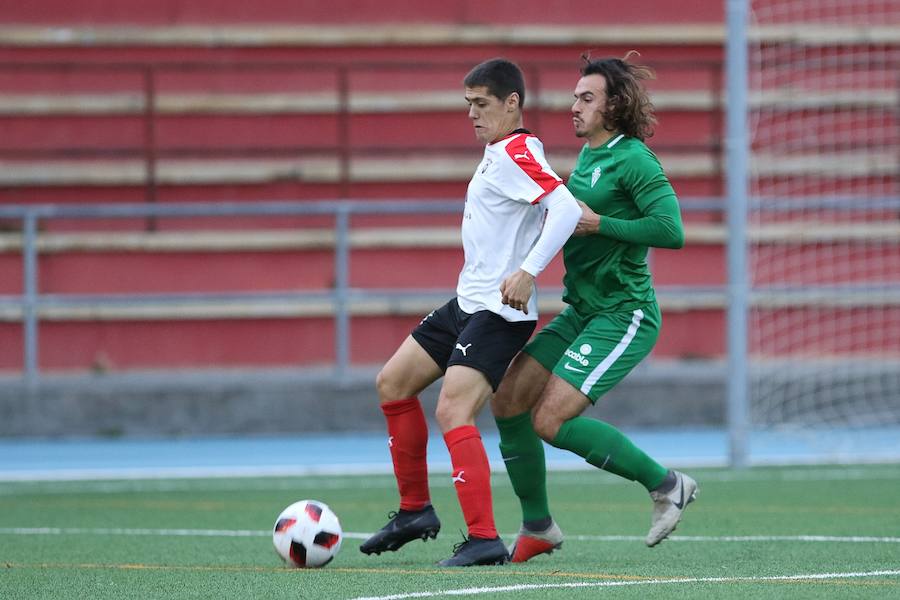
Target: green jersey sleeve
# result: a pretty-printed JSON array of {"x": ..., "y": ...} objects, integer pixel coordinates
[{"x": 660, "y": 225}]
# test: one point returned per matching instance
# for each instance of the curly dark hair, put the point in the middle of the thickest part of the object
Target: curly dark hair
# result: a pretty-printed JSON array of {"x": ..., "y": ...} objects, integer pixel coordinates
[{"x": 628, "y": 106}]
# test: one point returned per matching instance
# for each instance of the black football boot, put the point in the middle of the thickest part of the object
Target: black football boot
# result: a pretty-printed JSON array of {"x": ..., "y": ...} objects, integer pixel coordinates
[
  {"x": 477, "y": 551},
  {"x": 404, "y": 526}
]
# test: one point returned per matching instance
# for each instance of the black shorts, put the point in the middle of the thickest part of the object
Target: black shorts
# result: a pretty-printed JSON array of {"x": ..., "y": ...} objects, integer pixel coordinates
[{"x": 484, "y": 341}]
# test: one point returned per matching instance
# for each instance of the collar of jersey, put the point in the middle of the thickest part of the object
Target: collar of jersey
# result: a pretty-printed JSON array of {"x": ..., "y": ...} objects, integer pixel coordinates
[
  {"x": 511, "y": 134},
  {"x": 617, "y": 137}
]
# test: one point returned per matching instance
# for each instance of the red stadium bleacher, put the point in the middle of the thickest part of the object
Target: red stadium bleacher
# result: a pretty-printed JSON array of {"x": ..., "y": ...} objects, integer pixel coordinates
[{"x": 205, "y": 101}]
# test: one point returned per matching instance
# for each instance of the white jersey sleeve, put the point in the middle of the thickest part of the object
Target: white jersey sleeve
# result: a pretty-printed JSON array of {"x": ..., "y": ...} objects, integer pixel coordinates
[
  {"x": 534, "y": 178},
  {"x": 563, "y": 214}
]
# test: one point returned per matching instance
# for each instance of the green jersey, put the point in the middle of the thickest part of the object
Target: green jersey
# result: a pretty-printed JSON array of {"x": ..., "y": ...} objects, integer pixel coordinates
[{"x": 623, "y": 182}]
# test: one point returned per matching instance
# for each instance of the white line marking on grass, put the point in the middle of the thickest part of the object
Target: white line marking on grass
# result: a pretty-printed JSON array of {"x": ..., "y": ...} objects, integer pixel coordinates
[
  {"x": 812, "y": 473},
  {"x": 600, "y": 584},
  {"x": 125, "y": 531},
  {"x": 741, "y": 538},
  {"x": 194, "y": 472},
  {"x": 563, "y": 472},
  {"x": 856, "y": 539},
  {"x": 189, "y": 485},
  {"x": 153, "y": 532}
]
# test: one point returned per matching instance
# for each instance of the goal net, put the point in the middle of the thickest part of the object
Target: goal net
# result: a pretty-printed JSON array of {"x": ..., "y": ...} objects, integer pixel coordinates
[{"x": 824, "y": 227}]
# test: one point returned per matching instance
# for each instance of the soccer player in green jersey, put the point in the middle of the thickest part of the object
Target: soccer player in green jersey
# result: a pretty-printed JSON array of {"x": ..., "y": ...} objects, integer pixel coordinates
[{"x": 612, "y": 319}]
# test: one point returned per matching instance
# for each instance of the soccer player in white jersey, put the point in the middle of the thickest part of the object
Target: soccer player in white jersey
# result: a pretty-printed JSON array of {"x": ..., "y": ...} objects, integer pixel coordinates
[{"x": 517, "y": 216}]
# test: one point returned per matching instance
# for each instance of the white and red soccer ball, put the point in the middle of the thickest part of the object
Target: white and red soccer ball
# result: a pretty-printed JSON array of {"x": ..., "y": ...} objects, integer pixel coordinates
[{"x": 307, "y": 534}]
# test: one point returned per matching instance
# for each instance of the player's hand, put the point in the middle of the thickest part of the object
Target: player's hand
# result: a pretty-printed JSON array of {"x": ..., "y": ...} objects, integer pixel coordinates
[
  {"x": 516, "y": 290},
  {"x": 589, "y": 223}
]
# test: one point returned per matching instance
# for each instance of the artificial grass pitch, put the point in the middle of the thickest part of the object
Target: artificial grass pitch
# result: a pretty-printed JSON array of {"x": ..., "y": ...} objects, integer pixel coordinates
[{"x": 810, "y": 532}]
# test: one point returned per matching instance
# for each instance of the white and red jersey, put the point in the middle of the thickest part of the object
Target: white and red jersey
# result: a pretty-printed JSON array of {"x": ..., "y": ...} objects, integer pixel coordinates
[{"x": 502, "y": 221}]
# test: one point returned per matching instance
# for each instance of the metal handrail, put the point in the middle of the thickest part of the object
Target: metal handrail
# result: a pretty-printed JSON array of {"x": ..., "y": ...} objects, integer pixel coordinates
[
  {"x": 32, "y": 214},
  {"x": 341, "y": 296}
]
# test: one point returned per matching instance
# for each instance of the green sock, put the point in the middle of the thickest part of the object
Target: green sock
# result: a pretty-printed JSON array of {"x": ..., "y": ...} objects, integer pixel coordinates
[
  {"x": 607, "y": 448},
  {"x": 523, "y": 455}
]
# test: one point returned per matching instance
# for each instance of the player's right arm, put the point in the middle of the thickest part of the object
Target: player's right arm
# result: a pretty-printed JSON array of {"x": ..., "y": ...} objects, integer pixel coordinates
[
  {"x": 660, "y": 222},
  {"x": 660, "y": 226}
]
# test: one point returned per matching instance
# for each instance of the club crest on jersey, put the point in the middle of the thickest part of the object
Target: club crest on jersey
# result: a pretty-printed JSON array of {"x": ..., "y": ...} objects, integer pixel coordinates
[{"x": 595, "y": 176}]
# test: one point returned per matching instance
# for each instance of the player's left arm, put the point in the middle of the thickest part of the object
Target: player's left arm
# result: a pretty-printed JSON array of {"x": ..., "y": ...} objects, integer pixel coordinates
[
  {"x": 562, "y": 216},
  {"x": 660, "y": 222}
]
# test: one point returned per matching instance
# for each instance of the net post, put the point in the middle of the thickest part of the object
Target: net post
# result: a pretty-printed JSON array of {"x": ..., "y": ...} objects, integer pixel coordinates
[{"x": 737, "y": 158}]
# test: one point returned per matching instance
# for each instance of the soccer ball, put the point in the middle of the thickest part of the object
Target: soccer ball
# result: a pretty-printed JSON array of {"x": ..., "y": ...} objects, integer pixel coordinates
[{"x": 307, "y": 534}]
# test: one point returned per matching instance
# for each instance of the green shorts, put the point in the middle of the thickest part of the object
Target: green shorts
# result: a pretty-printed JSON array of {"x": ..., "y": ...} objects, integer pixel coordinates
[{"x": 595, "y": 353}]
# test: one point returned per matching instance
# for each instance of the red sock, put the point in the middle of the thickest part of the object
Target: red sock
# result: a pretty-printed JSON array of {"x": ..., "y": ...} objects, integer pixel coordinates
[
  {"x": 472, "y": 479},
  {"x": 408, "y": 440}
]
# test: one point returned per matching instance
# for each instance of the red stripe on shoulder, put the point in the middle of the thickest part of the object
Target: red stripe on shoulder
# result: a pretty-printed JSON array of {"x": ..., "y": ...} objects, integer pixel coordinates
[{"x": 521, "y": 155}]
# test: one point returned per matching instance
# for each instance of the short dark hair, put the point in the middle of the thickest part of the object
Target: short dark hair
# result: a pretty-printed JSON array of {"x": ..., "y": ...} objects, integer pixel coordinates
[
  {"x": 628, "y": 106},
  {"x": 500, "y": 76}
]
